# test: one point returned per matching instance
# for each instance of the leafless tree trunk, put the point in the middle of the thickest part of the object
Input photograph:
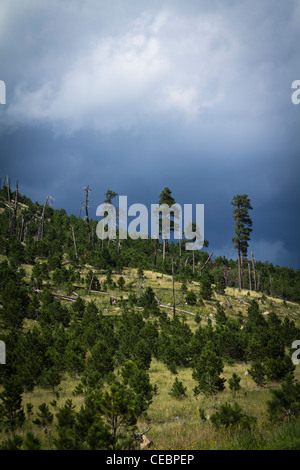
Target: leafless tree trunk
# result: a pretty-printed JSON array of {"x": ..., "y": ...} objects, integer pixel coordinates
[
  {"x": 91, "y": 284},
  {"x": 180, "y": 255},
  {"x": 202, "y": 267},
  {"x": 193, "y": 261},
  {"x": 74, "y": 240},
  {"x": 40, "y": 234},
  {"x": 155, "y": 251},
  {"x": 13, "y": 221},
  {"x": 250, "y": 280},
  {"x": 271, "y": 287},
  {"x": 21, "y": 229},
  {"x": 8, "y": 188},
  {"x": 254, "y": 271},
  {"x": 173, "y": 286},
  {"x": 241, "y": 271},
  {"x": 86, "y": 206}
]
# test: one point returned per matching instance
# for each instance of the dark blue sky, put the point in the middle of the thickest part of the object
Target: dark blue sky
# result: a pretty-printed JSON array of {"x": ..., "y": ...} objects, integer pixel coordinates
[{"x": 135, "y": 95}]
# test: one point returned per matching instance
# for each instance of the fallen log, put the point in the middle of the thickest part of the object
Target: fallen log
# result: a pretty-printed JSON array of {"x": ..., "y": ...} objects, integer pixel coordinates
[{"x": 178, "y": 309}]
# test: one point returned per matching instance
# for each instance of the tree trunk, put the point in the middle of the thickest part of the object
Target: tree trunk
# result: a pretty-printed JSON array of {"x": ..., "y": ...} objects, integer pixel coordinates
[
  {"x": 180, "y": 255},
  {"x": 193, "y": 261},
  {"x": 40, "y": 234},
  {"x": 75, "y": 245},
  {"x": 250, "y": 281},
  {"x": 271, "y": 287},
  {"x": 241, "y": 268},
  {"x": 155, "y": 251},
  {"x": 202, "y": 267},
  {"x": 15, "y": 212},
  {"x": 21, "y": 229},
  {"x": 91, "y": 284},
  {"x": 254, "y": 271},
  {"x": 173, "y": 286}
]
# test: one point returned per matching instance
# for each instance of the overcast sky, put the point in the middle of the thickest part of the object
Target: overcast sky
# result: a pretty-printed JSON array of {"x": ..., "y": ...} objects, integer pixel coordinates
[{"x": 136, "y": 95}]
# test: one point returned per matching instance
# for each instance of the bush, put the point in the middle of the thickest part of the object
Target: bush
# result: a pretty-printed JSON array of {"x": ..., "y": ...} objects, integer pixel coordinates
[
  {"x": 191, "y": 298},
  {"x": 178, "y": 390},
  {"x": 232, "y": 416}
]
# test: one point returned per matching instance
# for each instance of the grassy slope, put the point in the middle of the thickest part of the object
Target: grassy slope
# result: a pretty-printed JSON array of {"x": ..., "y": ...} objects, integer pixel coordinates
[{"x": 175, "y": 424}]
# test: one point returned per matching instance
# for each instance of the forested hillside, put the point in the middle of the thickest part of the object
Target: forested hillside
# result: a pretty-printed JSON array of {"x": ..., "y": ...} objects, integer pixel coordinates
[
  {"x": 105, "y": 338},
  {"x": 32, "y": 230}
]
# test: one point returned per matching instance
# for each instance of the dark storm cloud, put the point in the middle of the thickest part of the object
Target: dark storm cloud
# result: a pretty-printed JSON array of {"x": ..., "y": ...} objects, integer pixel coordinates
[{"x": 134, "y": 96}]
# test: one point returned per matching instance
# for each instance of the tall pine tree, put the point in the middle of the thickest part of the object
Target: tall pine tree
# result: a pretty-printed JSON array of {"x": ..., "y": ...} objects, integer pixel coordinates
[{"x": 242, "y": 228}]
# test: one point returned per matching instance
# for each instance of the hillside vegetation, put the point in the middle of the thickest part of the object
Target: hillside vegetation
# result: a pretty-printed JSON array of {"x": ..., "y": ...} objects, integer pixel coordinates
[{"x": 101, "y": 343}]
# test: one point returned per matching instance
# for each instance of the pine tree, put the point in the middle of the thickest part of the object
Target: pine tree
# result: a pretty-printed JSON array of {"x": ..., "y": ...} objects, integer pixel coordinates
[
  {"x": 11, "y": 410},
  {"x": 234, "y": 383},
  {"x": 178, "y": 390},
  {"x": 166, "y": 198},
  {"x": 285, "y": 402},
  {"x": 206, "y": 371},
  {"x": 242, "y": 227},
  {"x": 205, "y": 286}
]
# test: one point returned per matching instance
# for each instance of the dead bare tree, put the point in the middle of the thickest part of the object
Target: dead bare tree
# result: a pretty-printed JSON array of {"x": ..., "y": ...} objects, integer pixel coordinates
[
  {"x": 227, "y": 302},
  {"x": 91, "y": 283},
  {"x": 173, "y": 287},
  {"x": 250, "y": 280},
  {"x": 206, "y": 262},
  {"x": 28, "y": 222},
  {"x": 8, "y": 188},
  {"x": 40, "y": 234},
  {"x": 74, "y": 241},
  {"x": 271, "y": 286},
  {"x": 85, "y": 204},
  {"x": 254, "y": 271},
  {"x": 13, "y": 220},
  {"x": 21, "y": 229}
]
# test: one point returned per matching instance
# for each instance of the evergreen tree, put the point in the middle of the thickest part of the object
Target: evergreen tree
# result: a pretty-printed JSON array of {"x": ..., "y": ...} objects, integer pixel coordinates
[
  {"x": 258, "y": 373},
  {"x": 15, "y": 302},
  {"x": 101, "y": 359},
  {"x": 234, "y": 383},
  {"x": 242, "y": 228},
  {"x": 232, "y": 416},
  {"x": 191, "y": 298},
  {"x": 165, "y": 198},
  {"x": 11, "y": 410},
  {"x": 220, "y": 284},
  {"x": 178, "y": 390},
  {"x": 206, "y": 286},
  {"x": 116, "y": 406},
  {"x": 206, "y": 371},
  {"x": 220, "y": 316},
  {"x": 121, "y": 282},
  {"x": 285, "y": 402}
]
